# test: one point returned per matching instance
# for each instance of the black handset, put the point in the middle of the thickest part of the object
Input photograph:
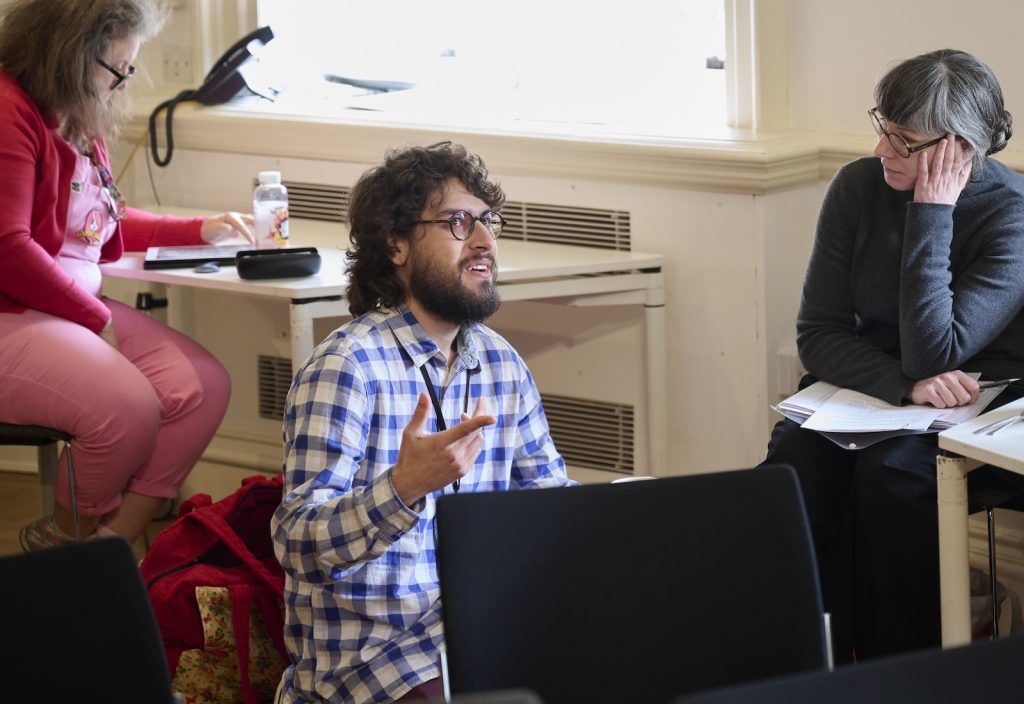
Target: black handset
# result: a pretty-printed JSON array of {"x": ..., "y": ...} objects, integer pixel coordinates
[{"x": 223, "y": 82}]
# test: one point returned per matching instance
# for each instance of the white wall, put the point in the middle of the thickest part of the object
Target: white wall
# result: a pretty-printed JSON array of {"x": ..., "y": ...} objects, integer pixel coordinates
[{"x": 838, "y": 50}]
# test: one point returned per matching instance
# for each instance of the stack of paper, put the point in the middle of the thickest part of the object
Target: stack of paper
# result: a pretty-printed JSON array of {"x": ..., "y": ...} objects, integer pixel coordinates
[{"x": 854, "y": 420}]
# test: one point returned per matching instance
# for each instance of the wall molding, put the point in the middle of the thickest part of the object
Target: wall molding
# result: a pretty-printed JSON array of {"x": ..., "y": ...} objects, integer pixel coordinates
[{"x": 736, "y": 161}]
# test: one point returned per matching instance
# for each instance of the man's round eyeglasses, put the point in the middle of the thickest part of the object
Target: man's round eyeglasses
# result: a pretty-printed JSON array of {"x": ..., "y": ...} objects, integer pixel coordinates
[
  {"x": 119, "y": 77},
  {"x": 900, "y": 145},
  {"x": 462, "y": 222}
]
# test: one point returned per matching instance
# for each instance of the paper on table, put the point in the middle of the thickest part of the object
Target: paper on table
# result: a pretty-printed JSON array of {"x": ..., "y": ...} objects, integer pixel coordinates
[
  {"x": 806, "y": 401},
  {"x": 852, "y": 411},
  {"x": 825, "y": 407}
]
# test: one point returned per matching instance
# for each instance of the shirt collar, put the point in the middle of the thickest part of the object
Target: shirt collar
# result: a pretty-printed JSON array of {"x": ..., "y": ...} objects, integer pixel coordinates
[{"x": 417, "y": 344}]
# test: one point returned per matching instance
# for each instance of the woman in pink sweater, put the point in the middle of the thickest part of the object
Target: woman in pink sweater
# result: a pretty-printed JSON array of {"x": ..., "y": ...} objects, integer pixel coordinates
[{"x": 141, "y": 400}]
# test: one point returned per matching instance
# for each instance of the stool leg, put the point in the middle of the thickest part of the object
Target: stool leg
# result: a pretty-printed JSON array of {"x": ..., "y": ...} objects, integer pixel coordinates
[
  {"x": 992, "y": 569},
  {"x": 73, "y": 490},
  {"x": 48, "y": 459}
]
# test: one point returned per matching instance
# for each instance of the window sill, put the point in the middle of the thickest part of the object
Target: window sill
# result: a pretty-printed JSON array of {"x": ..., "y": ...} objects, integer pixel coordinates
[{"x": 729, "y": 161}]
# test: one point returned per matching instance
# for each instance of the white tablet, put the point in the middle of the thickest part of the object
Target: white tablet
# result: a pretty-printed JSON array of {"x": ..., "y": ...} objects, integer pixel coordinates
[{"x": 186, "y": 256}]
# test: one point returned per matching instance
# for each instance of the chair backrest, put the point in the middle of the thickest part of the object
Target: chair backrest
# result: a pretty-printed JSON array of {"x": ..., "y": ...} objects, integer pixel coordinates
[
  {"x": 505, "y": 696},
  {"x": 634, "y": 592},
  {"x": 78, "y": 627},
  {"x": 986, "y": 671}
]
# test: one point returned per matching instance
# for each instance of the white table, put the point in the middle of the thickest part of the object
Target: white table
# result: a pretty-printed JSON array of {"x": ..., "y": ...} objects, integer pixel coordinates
[
  {"x": 578, "y": 276},
  {"x": 970, "y": 451}
]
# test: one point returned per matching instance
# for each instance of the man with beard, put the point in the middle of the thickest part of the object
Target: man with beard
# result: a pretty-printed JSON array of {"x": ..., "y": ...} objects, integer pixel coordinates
[{"x": 412, "y": 399}]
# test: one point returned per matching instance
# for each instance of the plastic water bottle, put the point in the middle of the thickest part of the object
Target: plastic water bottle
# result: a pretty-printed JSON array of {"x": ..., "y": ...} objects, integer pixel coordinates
[{"x": 270, "y": 211}]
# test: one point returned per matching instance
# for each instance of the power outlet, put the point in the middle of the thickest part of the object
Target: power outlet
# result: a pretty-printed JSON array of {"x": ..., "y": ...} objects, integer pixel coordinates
[{"x": 177, "y": 64}]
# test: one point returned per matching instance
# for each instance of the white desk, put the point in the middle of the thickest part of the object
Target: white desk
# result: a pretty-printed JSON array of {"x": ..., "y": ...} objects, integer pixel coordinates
[
  {"x": 1004, "y": 450},
  {"x": 578, "y": 276}
]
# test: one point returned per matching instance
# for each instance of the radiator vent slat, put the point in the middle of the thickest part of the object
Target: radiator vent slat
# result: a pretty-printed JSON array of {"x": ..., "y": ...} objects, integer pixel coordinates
[
  {"x": 317, "y": 201},
  {"x": 532, "y": 222},
  {"x": 592, "y": 434},
  {"x": 274, "y": 379},
  {"x": 588, "y": 227}
]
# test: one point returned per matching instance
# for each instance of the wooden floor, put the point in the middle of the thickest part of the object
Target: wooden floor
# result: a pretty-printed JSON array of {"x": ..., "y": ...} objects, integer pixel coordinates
[{"x": 19, "y": 496}]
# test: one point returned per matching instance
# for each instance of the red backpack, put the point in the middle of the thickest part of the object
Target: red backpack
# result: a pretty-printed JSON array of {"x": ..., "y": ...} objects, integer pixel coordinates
[{"x": 207, "y": 573}]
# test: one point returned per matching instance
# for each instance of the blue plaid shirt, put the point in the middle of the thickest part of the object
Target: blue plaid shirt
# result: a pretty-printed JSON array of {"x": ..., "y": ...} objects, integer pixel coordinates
[{"x": 363, "y": 615}]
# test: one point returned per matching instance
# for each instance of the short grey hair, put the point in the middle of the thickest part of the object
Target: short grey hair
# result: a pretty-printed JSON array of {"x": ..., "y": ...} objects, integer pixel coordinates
[{"x": 947, "y": 92}]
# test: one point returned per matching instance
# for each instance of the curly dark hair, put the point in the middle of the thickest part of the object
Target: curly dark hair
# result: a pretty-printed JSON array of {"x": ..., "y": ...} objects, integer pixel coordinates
[{"x": 388, "y": 200}]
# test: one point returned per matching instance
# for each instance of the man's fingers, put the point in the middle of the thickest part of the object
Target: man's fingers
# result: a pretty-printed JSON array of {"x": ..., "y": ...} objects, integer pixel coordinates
[
  {"x": 480, "y": 410},
  {"x": 419, "y": 415},
  {"x": 467, "y": 427}
]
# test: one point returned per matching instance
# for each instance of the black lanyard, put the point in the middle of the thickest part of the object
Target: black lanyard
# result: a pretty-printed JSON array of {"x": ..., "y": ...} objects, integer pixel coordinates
[{"x": 441, "y": 425}]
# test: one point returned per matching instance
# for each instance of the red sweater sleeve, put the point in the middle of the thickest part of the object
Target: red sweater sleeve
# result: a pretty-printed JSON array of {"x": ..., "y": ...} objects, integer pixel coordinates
[
  {"x": 141, "y": 229},
  {"x": 35, "y": 163}
]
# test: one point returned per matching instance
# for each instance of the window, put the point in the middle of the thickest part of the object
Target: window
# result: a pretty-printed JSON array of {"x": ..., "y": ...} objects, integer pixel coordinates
[{"x": 640, "y": 69}]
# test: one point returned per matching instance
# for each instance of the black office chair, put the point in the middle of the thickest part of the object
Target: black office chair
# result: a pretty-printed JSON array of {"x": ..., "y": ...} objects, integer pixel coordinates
[
  {"x": 634, "y": 592},
  {"x": 78, "y": 627},
  {"x": 506, "y": 696},
  {"x": 986, "y": 671},
  {"x": 45, "y": 439}
]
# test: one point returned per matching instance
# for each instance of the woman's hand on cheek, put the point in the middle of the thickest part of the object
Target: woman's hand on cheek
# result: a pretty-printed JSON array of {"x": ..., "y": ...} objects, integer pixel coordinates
[{"x": 942, "y": 173}]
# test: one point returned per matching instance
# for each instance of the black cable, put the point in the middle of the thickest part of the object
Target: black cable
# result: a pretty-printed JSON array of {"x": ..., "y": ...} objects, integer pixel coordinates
[{"x": 168, "y": 105}]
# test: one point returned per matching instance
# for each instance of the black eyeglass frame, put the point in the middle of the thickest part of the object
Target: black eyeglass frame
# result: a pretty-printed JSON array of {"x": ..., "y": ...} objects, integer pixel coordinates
[
  {"x": 898, "y": 143},
  {"x": 492, "y": 215},
  {"x": 119, "y": 77}
]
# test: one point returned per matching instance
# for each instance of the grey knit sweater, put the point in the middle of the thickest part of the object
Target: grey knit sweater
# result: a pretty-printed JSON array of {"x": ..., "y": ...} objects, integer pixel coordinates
[{"x": 897, "y": 291}]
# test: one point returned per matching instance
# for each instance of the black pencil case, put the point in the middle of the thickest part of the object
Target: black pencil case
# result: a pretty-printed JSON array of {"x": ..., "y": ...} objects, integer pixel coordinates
[{"x": 277, "y": 263}]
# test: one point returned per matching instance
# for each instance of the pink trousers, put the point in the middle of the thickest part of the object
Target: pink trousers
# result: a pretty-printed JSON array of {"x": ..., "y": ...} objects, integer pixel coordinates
[{"x": 141, "y": 415}]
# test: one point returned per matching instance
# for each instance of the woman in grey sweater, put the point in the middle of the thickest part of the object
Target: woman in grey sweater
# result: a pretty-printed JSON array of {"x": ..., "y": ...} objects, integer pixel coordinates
[{"x": 915, "y": 280}]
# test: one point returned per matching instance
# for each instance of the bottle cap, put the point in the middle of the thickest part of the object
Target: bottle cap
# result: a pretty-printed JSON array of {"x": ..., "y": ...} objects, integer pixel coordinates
[{"x": 270, "y": 177}]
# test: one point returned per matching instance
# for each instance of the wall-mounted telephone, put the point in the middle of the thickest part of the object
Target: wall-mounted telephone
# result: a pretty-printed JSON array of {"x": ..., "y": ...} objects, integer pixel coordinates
[
  {"x": 226, "y": 78},
  {"x": 230, "y": 76}
]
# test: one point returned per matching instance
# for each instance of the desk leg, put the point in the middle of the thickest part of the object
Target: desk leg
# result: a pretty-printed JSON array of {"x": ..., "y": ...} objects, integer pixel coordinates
[
  {"x": 300, "y": 330},
  {"x": 301, "y": 314},
  {"x": 954, "y": 565},
  {"x": 657, "y": 381}
]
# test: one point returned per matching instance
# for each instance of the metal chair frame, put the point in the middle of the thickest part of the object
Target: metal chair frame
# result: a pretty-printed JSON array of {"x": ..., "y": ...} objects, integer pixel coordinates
[{"x": 45, "y": 439}]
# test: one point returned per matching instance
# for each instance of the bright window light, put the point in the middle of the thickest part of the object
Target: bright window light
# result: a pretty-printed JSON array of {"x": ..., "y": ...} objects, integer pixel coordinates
[{"x": 640, "y": 67}]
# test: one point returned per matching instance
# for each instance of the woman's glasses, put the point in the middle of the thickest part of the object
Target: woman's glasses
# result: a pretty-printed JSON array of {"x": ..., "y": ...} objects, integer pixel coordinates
[
  {"x": 119, "y": 77},
  {"x": 900, "y": 145}
]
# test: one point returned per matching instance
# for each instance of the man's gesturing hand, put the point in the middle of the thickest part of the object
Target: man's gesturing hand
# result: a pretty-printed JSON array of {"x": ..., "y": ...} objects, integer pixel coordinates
[{"x": 428, "y": 461}]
